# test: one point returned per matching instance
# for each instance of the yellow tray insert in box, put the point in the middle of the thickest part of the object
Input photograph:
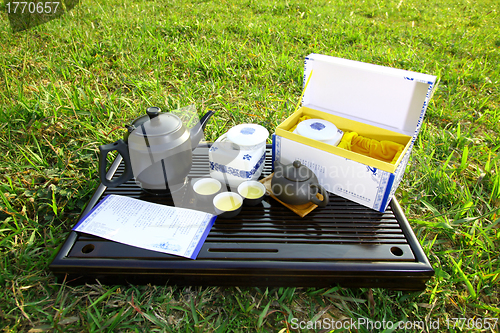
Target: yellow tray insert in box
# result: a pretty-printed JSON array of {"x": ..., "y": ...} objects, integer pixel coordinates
[
  {"x": 387, "y": 151},
  {"x": 364, "y": 130}
]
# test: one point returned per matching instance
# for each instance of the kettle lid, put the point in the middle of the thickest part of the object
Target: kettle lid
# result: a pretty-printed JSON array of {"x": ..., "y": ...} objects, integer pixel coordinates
[
  {"x": 297, "y": 171},
  {"x": 159, "y": 124}
]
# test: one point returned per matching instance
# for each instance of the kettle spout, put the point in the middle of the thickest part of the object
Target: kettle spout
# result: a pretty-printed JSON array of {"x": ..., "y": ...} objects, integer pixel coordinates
[{"x": 196, "y": 132}]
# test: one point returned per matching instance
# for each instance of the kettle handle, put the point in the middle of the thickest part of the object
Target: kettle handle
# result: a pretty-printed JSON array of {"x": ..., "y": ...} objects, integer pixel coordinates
[
  {"x": 326, "y": 197},
  {"x": 122, "y": 148}
]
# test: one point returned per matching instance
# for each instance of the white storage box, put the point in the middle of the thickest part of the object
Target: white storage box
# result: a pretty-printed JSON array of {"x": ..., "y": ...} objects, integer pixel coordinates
[{"x": 376, "y": 102}]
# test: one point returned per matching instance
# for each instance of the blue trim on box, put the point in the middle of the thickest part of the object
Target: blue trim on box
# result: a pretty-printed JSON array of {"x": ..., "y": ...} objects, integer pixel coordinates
[
  {"x": 423, "y": 109},
  {"x": 387, "y": 191},
  {"x": 307, "y": 62},
  {"x": 273, "y": 150}
]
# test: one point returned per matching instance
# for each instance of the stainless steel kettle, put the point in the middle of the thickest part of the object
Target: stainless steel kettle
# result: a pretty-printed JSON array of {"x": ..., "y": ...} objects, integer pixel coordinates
[{"x": 156, "y": 150}]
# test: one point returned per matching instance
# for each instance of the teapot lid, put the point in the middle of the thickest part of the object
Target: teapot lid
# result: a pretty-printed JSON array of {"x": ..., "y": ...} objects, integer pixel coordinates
[
  {"x": 248, "y": 134},
  {"x": 297, "y": 172},
  {"x": 159, "y": 123}
]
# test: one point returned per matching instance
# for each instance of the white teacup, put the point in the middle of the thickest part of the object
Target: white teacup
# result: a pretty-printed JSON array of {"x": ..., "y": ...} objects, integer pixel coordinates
[
  {"x": 206, "y": 189},
  {"x": 228, "y": 204},
  {"x": 252, "y": 192}
]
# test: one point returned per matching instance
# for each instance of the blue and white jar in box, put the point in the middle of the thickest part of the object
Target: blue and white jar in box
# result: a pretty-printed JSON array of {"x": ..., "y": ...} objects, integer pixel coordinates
[{"x": 239, "y": 154}]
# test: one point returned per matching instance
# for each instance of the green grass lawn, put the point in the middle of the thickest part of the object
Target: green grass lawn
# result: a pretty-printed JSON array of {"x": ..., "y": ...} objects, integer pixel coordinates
[{"x": 71, "y": 84}]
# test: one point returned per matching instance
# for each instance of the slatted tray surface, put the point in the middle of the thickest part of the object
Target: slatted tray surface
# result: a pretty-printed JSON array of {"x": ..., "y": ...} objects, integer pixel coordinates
[{"x": 343, "y": 243}]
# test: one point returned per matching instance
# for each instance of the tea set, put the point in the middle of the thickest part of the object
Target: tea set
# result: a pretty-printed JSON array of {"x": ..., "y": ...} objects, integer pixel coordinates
[{"x": 157, "y": 153}]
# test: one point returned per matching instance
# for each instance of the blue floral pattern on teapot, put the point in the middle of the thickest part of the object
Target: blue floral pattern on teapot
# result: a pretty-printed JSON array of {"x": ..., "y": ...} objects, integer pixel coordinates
[{"x": 237, "y": 172}]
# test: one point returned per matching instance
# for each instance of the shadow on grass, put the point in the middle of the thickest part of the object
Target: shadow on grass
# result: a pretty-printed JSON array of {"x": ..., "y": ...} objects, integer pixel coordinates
[{"x": 26, "y": 15}]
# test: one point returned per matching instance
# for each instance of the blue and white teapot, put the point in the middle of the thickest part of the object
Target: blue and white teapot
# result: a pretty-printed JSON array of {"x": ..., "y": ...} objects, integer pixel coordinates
[{"x": 239, "y": 154}]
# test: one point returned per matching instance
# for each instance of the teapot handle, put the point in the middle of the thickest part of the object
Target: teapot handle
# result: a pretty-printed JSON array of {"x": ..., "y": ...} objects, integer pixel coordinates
[
  {"x": 122, "y": 149},
  {"x": 222, "y": 138},
  {"x": 326, "y": 197}
]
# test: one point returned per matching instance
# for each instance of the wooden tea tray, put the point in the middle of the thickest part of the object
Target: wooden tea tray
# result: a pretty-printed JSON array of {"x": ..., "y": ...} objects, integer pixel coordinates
[{"x": 267, "y": 245}]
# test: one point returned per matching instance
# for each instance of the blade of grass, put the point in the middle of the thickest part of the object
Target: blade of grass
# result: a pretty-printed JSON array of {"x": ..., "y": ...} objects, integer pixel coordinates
[
  {"x": 193, "y": 312},
  {"x": 105, "y": 295},
  {"x": 463, "y": 161},
  {"x": 263, "y": 315},
  {"x": 470, "y": 288}
]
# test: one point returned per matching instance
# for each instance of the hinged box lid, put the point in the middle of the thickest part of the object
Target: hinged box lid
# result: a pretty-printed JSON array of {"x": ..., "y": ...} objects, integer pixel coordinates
[{"x": 389, "y": 98}]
